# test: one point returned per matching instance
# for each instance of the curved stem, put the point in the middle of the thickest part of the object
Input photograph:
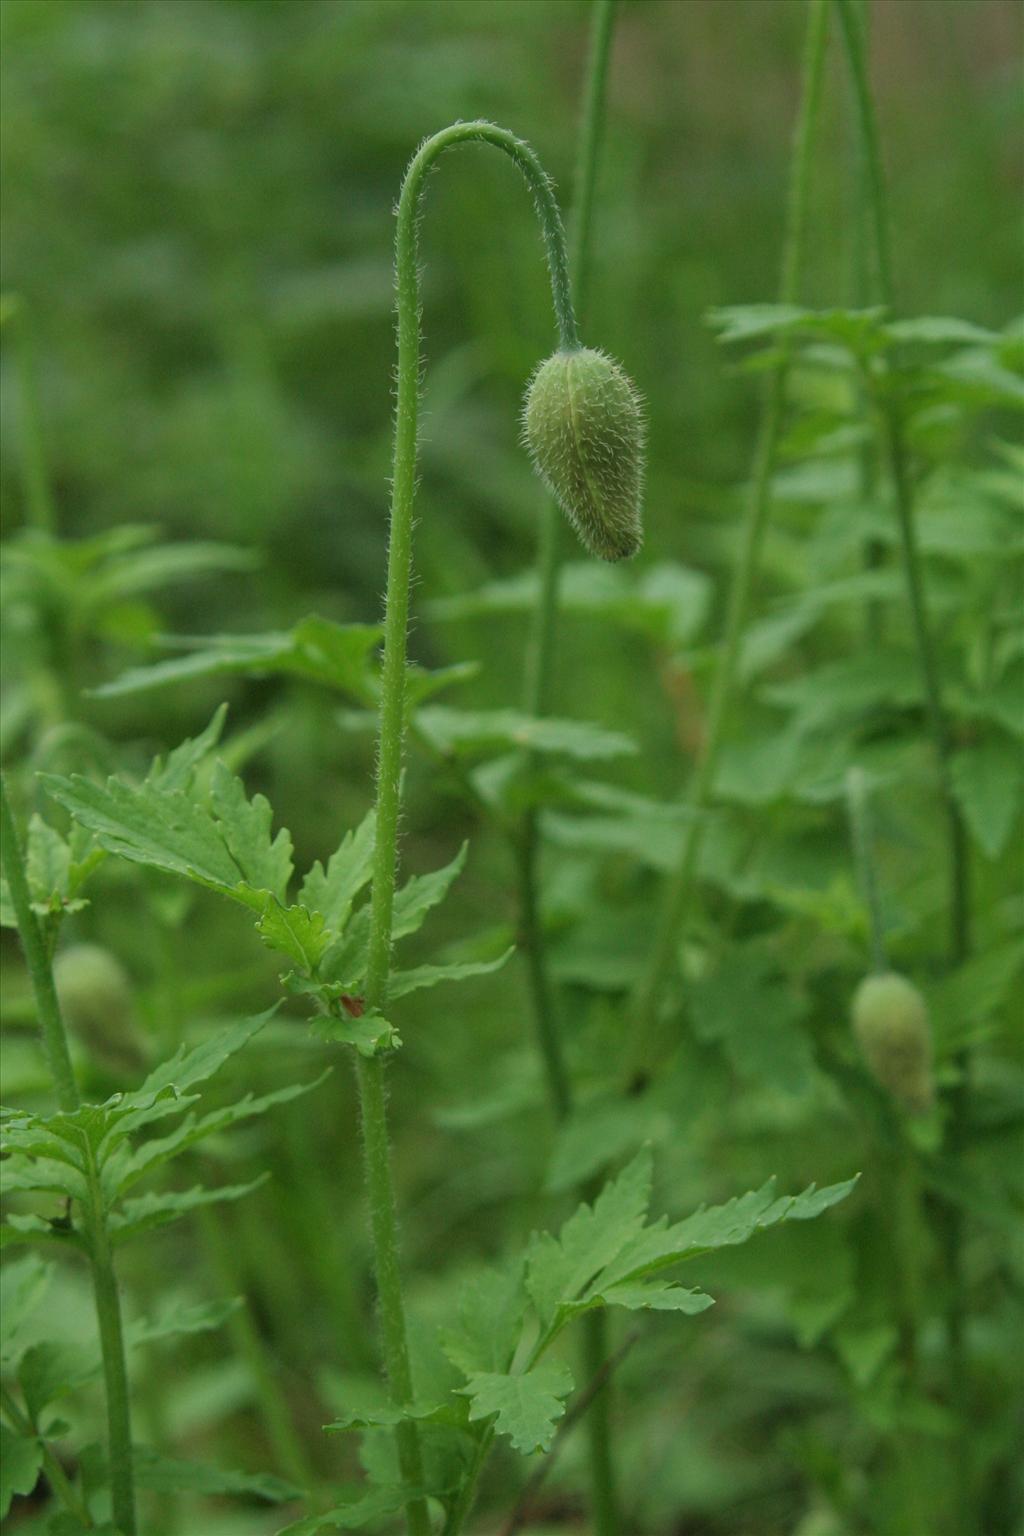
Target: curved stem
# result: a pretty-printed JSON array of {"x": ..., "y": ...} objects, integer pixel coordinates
[
  {"x": 392, "y": 719},
  {"x": 540, "y": 666},
  {"x": 679, "y": 889}
]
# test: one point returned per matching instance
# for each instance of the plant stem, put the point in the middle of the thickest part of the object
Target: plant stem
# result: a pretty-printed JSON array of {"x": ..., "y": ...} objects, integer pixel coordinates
[
  {"x": 392, "y": 717},
  {"x": 959, "y": 908},
  {"x": 104, "y": 1281},
  {"x": 679, "y": 889},
  {"x": 540, "y": 667},
  {"x": 863, "y": 852},
  {"x": 55, "y": 1040},
  {"x": 111, "y": 1332}
]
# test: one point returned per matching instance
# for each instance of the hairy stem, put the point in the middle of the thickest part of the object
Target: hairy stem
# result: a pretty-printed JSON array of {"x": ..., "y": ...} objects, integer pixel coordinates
[
  {"x": 115, "y": 1370},
  {"x": 540, "y": 667},
  {"x": 679, "y": 888},
  {"x": 894, "y": 448},
  {"x": 392, "y": 716}
]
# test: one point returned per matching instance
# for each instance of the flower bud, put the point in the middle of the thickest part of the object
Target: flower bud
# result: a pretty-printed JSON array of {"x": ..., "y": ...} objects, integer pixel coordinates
[
  {"x": 95, "y": 997},
  {"x": 583, "y": 425},
  {"x": 890, "y": 1021}
]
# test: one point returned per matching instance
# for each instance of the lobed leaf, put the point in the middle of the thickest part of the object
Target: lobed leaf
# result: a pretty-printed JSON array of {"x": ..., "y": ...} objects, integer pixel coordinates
[{"x": 526, "y": 1407}]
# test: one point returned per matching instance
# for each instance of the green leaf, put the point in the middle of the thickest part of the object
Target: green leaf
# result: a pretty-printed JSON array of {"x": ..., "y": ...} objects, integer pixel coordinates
[
  {"x": 662, "y": 1296},
  {"x": 388, "y": 1414},
  {"x": 528, "y": 1407},
  {"x": 668, "y": 603},
  {"x": 756, "y": 1015},
  {"x": 936, "y": 330},
  {"x": 23, "y": 1284},
  {"x": 404, "y": 982},
  {"x": 988, "y": 780},
  {"x": 49, "y": 1371},
  {"x": 370, "y": 1033},
  {"x": 497, "y": 730},
  {"x": 489, "y": 1322},
  {"x": 20, "y": 1463},
  {"x": 164, "y": 1474},
  {"x": 245, "y": 828},
  {"x": 364, "y": 1508},
  {"x": 295, "y": 932},
  {"x": 179, "y": 769},
  {"x": 335, "y": 654},
  {"x": 559, "y": 1269},
  {"x": 181, "y": 1318},
  {"x": 349, "y": 869},
  {"x": 146, "y": 1212}
]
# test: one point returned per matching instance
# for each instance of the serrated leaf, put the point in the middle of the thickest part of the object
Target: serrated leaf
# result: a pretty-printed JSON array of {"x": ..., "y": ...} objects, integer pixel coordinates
[
  {"x": 370, "y": 1033},
  {"x": 661, "y": 1296},
  {"x": 146, "y": 1212},
  {"x": 295, "y": 932},
  {"x": 245, "y": 827},
  {"x": 20, "y": 1462},
  {"x": 349, "y": 869},
  {"x": 191, "y": 1065},
  {"x": 559, "y": 1269},
  {"x": 179, "y": 769},
  {"x": 988, "y": 781},
  {"x": 527, "y": 1407},
  {"x": 404, "y": 982}
]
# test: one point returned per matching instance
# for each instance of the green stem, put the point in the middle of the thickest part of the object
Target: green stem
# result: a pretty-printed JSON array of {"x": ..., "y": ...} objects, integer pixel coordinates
[
  {"x": 863, "y": 853},
  {"x": 37, "y": 958},
  {"x": 959, "y": 908},
  {"x": 392, "y": 713},
  {"x": 679, "y": 890},
  {"x": 58, "y": 1478},
  {"x": 108, "y": 1305},
  {"x": 111, "y": 1332},
  {"x": 540, "y": 667}
]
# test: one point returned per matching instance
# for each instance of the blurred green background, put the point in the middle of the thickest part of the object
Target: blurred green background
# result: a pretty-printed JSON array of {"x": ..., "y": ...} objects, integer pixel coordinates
[{"x": 198, "y": 200}]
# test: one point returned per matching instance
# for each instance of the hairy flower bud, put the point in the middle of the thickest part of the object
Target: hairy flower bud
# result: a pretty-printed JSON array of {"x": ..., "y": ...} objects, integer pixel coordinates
[
  {"x": 95, "y": 997},
  {"x": 890, "y": 1021},
  {"x": 583, "y": 425}
]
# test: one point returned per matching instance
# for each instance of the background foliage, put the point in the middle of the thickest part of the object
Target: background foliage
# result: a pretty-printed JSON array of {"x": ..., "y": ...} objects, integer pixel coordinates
[{"x": 198, "y": 205}]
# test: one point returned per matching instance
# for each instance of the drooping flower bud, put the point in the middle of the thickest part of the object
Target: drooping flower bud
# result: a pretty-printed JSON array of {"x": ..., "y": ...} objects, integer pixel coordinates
[
  {"x": 890, "y": 1021},
  {"x": 95, "y": 997},
  {"x": 584, "y": 428}
]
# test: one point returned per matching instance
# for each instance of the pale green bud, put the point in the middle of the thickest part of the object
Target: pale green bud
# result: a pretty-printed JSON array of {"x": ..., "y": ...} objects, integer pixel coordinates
[
  {"x": 890, "y": 1021},
  {"x": 95, "y": 997},
  {"x": 583, "y": 425}
]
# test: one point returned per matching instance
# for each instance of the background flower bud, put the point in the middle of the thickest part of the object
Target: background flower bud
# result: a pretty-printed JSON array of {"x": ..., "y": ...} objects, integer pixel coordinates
[
  {"x": 890, "y": 1021},
  {"x": 583, "y": 425},
  {"x": 95, "y": 997}
]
